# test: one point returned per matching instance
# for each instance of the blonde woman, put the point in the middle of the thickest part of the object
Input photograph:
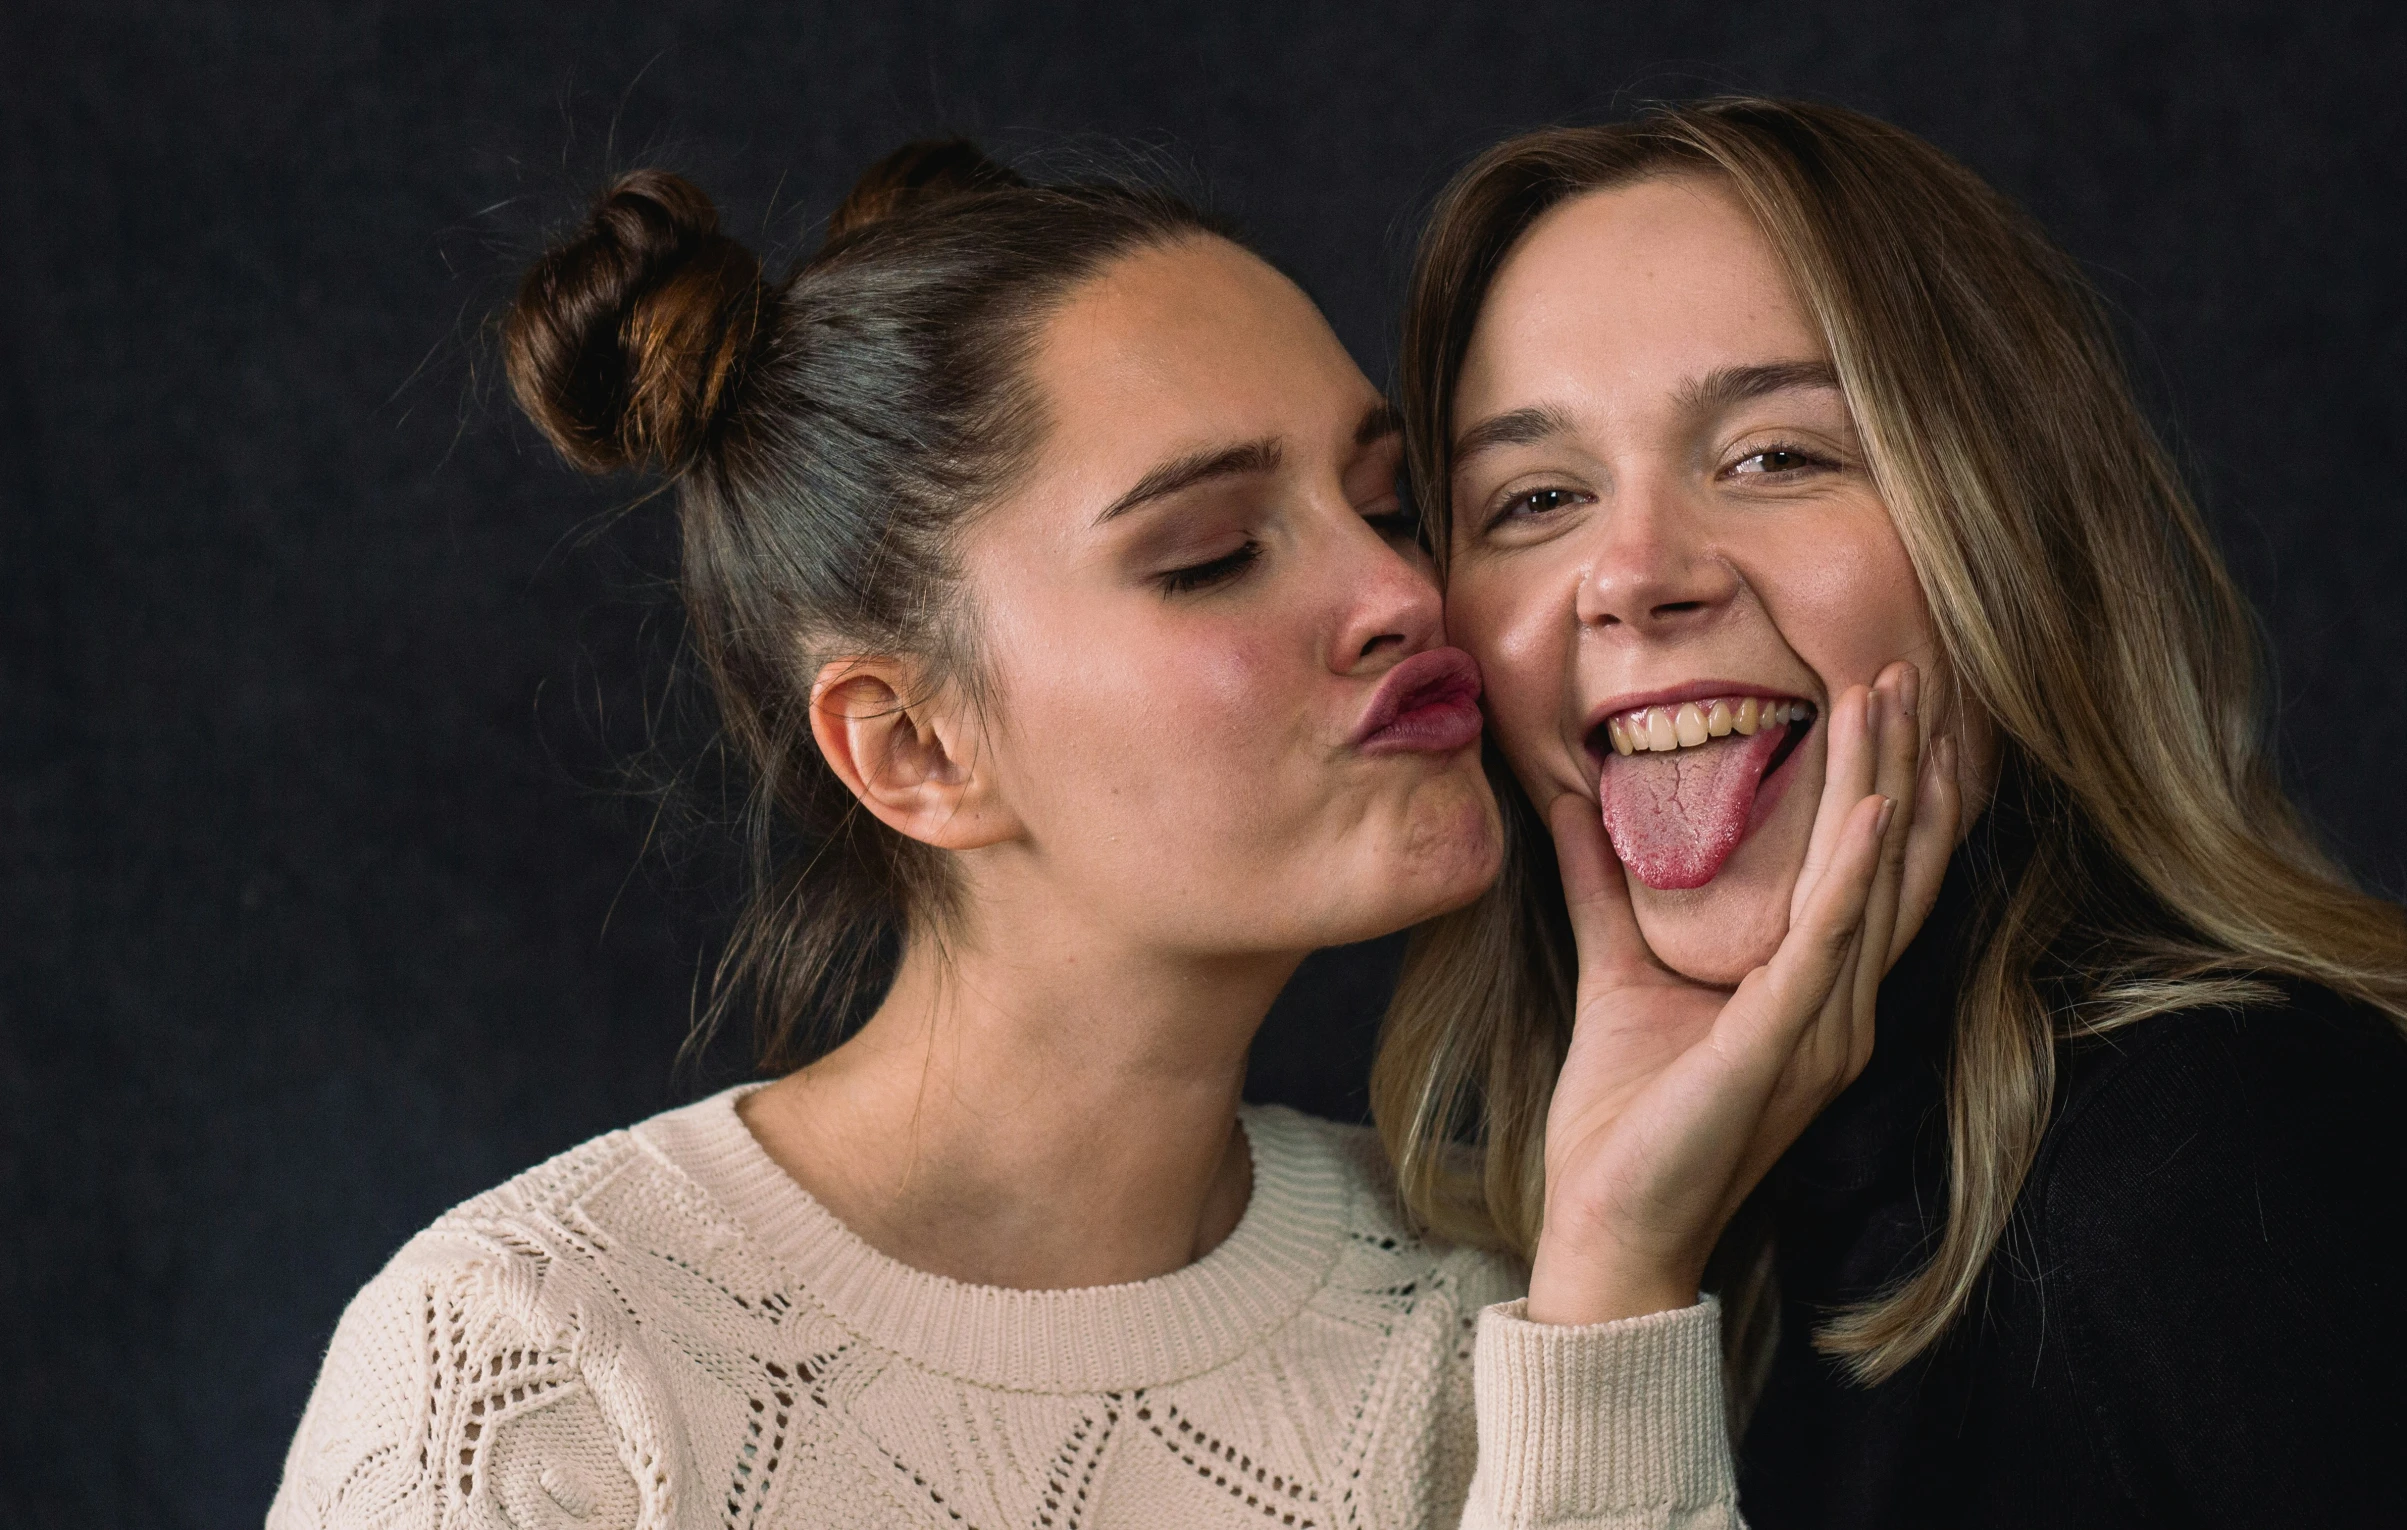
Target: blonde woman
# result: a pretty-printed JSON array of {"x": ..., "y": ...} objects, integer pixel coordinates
[{"x": 1719, "y": 413}]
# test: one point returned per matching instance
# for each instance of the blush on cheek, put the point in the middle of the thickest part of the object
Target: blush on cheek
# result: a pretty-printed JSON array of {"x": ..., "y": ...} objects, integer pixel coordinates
[
  {"x": 1170, "y": 736},
  {"x": 1225, "y": 698},
  {"x": 1529, "y": 681}
]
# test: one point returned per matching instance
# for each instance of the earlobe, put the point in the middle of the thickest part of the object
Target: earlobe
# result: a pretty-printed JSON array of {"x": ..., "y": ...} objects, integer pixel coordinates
[{"x": 909, "y": 758}]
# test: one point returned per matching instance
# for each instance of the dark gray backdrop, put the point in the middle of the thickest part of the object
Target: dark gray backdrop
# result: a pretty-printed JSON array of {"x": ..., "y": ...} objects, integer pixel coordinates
[{"x": 327, "y": 903}]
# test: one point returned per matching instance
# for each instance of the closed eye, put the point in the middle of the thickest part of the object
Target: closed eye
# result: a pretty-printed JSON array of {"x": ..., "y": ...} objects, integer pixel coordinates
[
  {"x": 1400, "y": 523},
  {"x": 1204, "y": 576}
]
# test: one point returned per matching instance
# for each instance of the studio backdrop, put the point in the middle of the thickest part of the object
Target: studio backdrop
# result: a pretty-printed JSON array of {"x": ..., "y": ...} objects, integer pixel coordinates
[{"x": 358, "y": 836}]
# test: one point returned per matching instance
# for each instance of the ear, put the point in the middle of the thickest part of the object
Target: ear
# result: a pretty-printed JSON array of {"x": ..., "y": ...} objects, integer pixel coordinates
[{"x": 915, "y": 761}]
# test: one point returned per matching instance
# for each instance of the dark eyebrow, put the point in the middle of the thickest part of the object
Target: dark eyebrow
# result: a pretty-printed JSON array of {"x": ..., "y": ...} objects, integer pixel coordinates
[
  {"x": 1198, "y": 467},
  {"x": 1718, "y": 390},
  {"x": 1514, "y": 427},
  {"x": 1378, "y": 423}
]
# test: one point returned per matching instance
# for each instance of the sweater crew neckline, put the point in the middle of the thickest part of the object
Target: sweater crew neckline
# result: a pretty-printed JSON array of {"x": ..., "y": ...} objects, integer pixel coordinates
[{"x": 1088, "y": 1339}]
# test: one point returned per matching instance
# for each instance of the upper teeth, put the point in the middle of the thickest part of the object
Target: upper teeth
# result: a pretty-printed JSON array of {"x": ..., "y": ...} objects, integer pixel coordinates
[{"x": 1693, "y": 722}]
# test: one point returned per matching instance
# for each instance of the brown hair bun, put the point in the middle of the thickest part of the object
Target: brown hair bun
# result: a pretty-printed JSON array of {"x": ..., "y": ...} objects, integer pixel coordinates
[
  {"x": 916, "y": 175},
  {"x": 624, "y": 340}
]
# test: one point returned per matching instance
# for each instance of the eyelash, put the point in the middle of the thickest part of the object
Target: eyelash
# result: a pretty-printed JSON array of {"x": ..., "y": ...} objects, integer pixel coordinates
[
  {"x": 1805, "y": 459},
  {"x": 1505, "y": 510},
  {"x": 1204, "y": 576},
  {"x": 1404, "y": 522}
]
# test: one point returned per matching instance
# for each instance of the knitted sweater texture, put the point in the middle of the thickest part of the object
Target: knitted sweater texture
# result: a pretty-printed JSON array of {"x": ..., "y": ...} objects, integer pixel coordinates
[{"x": 662, "y": 1329}]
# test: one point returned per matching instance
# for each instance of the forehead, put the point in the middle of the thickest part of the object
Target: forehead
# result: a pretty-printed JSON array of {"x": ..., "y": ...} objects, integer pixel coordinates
[
  {"x": 1195, "y": 341},
  {"x": 1647, "y": 284}
]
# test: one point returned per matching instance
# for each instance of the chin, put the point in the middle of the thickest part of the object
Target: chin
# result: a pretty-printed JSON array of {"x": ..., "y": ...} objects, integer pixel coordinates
[
  {"x": 1461, "y": 838},
  {"x": 1448, "y": 851},
  {"x": 1720, "y": 932}
]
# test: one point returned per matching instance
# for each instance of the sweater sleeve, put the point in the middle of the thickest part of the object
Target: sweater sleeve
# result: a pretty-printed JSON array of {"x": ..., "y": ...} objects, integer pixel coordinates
[
  {"x": 2224, "y": 1214},
  {"x": 1602, "y": 1427},
  {"x": 449, "y": 1398}
]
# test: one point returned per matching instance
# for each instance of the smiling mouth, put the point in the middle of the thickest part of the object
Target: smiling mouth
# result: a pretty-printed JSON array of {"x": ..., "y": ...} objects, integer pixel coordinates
[
  {"x": 1681, "y": 784},
  {"x": 1693, "y": 724}
]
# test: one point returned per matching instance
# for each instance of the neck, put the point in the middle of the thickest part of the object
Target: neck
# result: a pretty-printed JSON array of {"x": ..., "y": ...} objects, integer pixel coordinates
[{"x": 1033, "y": 1109}]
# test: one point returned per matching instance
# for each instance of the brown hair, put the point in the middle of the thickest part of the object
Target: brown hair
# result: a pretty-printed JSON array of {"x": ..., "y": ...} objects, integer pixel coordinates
[
  {"x": 2078, "y": 602},
  {"x": 827, "y": 436}
]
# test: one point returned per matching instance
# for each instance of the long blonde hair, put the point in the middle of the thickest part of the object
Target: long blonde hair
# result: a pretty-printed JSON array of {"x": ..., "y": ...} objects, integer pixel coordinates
[{"x": 2079, "y": 605}]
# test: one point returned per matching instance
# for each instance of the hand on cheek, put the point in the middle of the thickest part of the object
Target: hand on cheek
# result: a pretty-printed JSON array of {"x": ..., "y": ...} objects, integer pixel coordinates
[{"x": 1676, "y": 1097}]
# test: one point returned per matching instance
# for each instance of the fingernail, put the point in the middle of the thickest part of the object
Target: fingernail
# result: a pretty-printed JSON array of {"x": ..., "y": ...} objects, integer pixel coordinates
[
  {"x": 1888, "y": 810},
  {"x": 1909, "y": 690}
]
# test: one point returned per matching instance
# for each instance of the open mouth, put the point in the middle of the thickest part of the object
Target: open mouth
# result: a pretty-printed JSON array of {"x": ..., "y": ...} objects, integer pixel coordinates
[{"x": 1681, "y": 783}]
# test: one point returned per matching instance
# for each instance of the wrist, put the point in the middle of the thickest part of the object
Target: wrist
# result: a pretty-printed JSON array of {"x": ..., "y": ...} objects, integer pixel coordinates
[{"x": 1580, "y": 1287}]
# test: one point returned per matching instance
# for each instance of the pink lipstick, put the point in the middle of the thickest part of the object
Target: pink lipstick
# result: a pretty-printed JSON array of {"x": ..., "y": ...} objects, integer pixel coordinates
[{"x": 1429, "y": 704}]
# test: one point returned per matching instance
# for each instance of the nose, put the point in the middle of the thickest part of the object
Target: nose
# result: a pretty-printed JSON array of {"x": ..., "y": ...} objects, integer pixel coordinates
[
  {"x": 1651, "y": 574},
  {"x": 1387, "y": 602}
]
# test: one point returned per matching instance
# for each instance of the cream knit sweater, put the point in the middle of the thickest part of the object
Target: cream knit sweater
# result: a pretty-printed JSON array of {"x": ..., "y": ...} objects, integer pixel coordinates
[{"x": 660, "y": 1328}]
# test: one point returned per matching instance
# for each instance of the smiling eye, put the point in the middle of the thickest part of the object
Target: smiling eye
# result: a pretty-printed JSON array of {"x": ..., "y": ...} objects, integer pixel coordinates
[
  {"x": 1775, "y": 462},
  {"x": 1539, "y": 502}
]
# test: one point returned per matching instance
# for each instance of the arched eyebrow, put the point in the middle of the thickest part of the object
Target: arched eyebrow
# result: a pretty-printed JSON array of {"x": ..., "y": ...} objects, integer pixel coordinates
[
  {"x": 1725, "y": 386},
  {"x": 1261, "y": 456},
  {"x": 1182, "y": 473},
  {"x": 1514, "y": 427}
]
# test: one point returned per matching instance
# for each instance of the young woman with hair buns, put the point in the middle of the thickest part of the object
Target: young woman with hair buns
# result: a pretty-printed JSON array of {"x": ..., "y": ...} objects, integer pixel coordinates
[{"x": 1044, "y": 552}]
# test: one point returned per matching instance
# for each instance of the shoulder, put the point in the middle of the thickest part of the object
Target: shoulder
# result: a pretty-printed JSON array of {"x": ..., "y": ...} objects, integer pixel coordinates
[
  {"x": 559, "y": 1247},
  {"x": 2212, "y": 1221},
  {"x": 2303, "y": 1080},
  {"x": 504, "y": 1255},
  {"x": 497, "y": 1354}
]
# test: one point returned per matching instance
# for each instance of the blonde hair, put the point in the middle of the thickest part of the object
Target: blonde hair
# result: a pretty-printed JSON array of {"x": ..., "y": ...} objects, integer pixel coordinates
[{"x": 2078, "y": 603}]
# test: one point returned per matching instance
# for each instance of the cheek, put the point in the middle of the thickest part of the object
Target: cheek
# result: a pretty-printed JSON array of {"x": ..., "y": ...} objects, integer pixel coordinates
[
  {"x": 1845, "y": 597},
  {"x": 1521, "y": 633},
  {"x": 1160, "y": 724}
]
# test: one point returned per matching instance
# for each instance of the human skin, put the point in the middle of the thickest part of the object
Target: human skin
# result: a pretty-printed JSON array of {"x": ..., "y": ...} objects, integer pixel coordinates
[
  {"x": 1659, "y": 491},
  {"x": 1704, "y": 513},
  {"x": 1154, "y": 796}
]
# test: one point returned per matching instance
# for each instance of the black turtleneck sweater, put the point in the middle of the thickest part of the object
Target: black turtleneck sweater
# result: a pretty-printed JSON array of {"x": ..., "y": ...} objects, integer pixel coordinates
[{"x": 2198, "y": 1315}]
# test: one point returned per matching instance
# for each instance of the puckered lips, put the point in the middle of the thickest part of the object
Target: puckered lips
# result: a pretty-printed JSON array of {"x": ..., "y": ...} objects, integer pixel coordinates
[
  {"x": 1685, "y": 773},
  {"x": 1428, "y": 704}
]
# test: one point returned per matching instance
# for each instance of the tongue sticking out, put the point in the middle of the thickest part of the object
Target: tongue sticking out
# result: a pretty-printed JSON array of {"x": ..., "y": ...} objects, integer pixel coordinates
[{"x": 1675, "y": 816}]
